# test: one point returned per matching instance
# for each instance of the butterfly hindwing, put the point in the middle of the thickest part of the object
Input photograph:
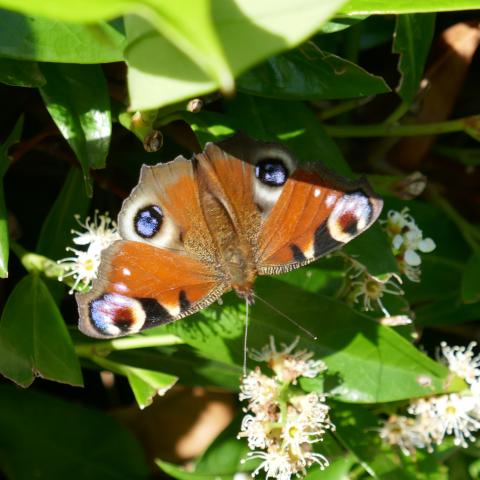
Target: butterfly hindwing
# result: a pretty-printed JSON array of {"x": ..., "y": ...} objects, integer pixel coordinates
[{"x": 141, "y": 286}]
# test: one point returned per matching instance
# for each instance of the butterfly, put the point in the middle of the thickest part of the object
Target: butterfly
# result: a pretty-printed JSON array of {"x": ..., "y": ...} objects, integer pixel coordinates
[{"x": 193, "y": 229}]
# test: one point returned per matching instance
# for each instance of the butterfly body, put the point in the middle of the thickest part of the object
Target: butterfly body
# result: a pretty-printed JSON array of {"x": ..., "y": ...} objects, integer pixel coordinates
[{"x": 193, "y": 229}]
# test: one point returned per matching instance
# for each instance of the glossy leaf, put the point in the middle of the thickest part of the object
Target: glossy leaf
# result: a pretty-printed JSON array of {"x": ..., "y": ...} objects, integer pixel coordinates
[
  {"x": 13, "y": 138},
  {"x": 357, "y": 429},
  {"x": 76, "y": 97},
  {"x": 413, "y": 36},
  {"x": 471, "y": 280},
  {"x": 367, "y": 362},
  {"x": 27, "y": 37},
  {"x": 181, "y": 474},
  {"x": 20, "y": 74},
  {"x": 47, "y": 438},
  {"x": 365, "y": 7},
  {"x": 146, "y": 384},
  {"x": 309, "y": 73},
  {"x": 34, "y": 341},
  {"x": 248, "y": 31},
  {"x": 56, "y": 229}
]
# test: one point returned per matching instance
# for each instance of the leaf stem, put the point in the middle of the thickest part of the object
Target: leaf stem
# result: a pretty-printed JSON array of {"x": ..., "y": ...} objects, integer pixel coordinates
[
  {"x": 395, "y": 130},
  {"x": 126, "y": 343}
]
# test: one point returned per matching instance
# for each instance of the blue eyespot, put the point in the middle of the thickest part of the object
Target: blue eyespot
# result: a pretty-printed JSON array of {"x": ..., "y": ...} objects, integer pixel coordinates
[
  {"x": 148, "y": 221},
  {"x": 272, "y": 172}
]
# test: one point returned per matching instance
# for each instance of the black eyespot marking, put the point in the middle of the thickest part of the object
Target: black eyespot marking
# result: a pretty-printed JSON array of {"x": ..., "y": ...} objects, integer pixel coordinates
[
  {"x": 148, "y": 220},
  {"x": 348, "y": 222},
  {"x": 298, "y": 255},
  {"x": 272, "y": 172},
  {"x": 184, "y": 301},
  {"x": 323, "y": 242},
  {"x": 155, "y": 313}
]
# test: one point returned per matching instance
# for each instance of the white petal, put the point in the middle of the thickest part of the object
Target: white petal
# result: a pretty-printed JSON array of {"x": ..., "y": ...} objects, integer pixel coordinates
[
  {"x": 412, "y": 258},
  {"x": 397, "y": 241},
  {"x": 426, "y": 245}
]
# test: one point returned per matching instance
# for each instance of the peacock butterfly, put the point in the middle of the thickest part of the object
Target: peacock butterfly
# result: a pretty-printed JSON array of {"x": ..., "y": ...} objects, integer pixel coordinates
[{"x": 193, "y": 229}]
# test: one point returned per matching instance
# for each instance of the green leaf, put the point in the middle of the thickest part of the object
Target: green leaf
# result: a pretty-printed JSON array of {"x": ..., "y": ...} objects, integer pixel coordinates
[
  {"x": 12, "y": 138},
  {"x": 34, "y": 341},
  {"x": 308, "y": 73},
  {"x": 297, "y": 127},
  {"x": 248, "y": 32},
  {"x": 20, "y": 74},
  {"x": 412, "y": 39},
  {"x": 146, "y": 384},
  {"x": 181, "y": 362},
  {"x": 56, "y": 229},
  {"x": 357, "y": 428},
  {"x": 368, "y": 363},
  {"x": 46, "y": 438},
  {"x": 27, "y": 37},
  {"x": 365, "y": 7},
  {"x": 338, "y": 469},
  {"x": 471, "y": 280},
  {"x": 77, "y": 98}
]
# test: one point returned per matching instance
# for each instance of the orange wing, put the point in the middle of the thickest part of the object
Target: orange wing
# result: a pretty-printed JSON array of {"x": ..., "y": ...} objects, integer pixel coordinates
[
  {"x": 141, "y": 286},
  {"x": 316, "y": 213}
]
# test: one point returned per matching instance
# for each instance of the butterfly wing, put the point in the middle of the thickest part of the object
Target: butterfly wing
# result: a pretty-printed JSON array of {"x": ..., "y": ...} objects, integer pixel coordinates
[
  {"x": 141, "y": 286},
  {"x": 316, "y": 213},
  {"x": 165, "y": 268}
]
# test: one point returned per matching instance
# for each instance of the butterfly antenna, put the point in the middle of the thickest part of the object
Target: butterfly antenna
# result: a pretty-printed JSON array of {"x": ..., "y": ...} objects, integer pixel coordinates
[
  {"x": 245, "y": 338},
  {"x": 291, "y": 320}
]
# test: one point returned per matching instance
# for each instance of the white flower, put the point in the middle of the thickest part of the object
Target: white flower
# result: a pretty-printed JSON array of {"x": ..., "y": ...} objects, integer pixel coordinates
[
  {"x": 287, "y": 364},
  {"x": 404, "y": 432},
  {"x": 407, "y": 239},
  {"x": 454, "y": 415},
  {"x": 370, "y": 289},
  {"x": 100, "y": 233},
  {"x": 255, "y": 430},
  {"x": 275, "y": 464},
  {"x": 259, "y": 390},
  {"x": 82, "y": 267},
  {"x": 283, "y": 424},
  {"x": 462, "y": 361}
]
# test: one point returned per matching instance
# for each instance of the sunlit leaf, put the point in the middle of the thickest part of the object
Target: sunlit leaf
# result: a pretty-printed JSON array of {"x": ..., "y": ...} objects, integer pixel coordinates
[
  {"x": 27, "y": 37},
  {"x": 76, "y": 97},
  {"x": 248, "y": 31},
  {"x": 367, "y": 362},
  {"x": 365, "y": 7},
  {"x": 34, "y": 341}
]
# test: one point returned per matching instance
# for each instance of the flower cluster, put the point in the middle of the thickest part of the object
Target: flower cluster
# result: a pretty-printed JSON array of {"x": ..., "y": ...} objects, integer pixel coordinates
[
  {"x": 431, "y": 419},
  {"x": 407, "y": 240},
  {"x": 282, "y": 425},
  {"x": 99, "y": 234}
]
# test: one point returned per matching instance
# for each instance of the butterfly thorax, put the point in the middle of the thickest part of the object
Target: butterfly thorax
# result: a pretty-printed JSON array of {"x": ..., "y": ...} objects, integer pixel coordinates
[{"x": 235, "y": 257}]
